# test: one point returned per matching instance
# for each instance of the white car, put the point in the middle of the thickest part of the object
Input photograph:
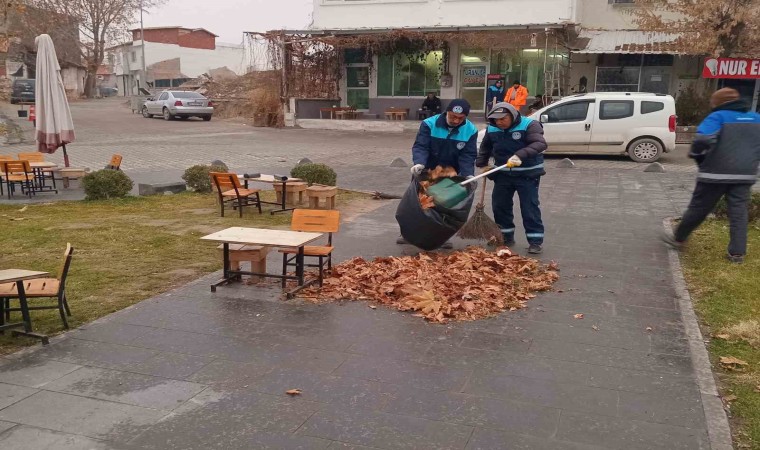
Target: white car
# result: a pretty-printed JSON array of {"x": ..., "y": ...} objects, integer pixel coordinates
[
  {"x": 640, "y": 125},
  {"x": 182, "y": 104}
]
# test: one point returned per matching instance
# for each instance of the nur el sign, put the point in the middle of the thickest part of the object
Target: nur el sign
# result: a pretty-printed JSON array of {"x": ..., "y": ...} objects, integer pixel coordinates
[{"x": 731, "y": 68}]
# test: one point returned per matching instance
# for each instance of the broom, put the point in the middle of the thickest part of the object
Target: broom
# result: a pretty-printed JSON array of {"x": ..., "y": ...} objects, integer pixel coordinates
[{"x": 480, "y": 226}]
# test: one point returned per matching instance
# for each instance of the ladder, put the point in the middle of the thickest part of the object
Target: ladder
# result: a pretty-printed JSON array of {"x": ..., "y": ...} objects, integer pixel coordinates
[{"x": 555, "y": 69}]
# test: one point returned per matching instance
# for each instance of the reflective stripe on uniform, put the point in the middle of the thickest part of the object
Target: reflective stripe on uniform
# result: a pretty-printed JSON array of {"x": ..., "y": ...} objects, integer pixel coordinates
[
  {"x": 726, "y": 176},
  {"x": 507, "y": 230},
  {"x": 534, "y": 235}
]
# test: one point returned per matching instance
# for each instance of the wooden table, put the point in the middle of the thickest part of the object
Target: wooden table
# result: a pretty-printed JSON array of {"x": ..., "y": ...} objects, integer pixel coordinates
[
  {"x": 39, "y": 168},
  {"x": 19, "y": 276},
  {"x": 273, "y": 179},
  {"x": 266, "y": 238}
]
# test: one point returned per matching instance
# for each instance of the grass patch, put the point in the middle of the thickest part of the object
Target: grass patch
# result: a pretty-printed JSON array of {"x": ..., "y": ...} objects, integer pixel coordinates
[
  {"x": 727, "y": 299},
  {"x": 125, "y": 250}
]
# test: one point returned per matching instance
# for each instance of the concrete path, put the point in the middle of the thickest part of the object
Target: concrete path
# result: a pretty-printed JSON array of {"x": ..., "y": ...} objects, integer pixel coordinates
[{"x": 190, "y": 369}]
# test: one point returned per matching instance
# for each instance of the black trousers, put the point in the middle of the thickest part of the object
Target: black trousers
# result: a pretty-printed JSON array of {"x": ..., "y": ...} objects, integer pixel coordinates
[
  {"x": 703, "y": 201},
  {"x": 526, "y": 188}
]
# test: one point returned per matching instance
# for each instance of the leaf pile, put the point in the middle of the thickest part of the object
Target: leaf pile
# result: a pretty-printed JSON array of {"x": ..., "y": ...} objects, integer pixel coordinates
[
  {"x": 433, "y": 176},
  {"x": 465, "y": 285}
]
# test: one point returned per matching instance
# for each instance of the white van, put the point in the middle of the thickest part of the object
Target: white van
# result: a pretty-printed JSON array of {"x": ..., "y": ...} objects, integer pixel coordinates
[{"x": 641, "y": 125}]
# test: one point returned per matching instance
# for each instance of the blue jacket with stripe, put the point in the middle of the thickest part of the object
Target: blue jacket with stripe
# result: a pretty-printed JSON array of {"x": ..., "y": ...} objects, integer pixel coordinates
[
  {"x": 727, "y": 145},
  {"x": 525, "y": 138},
  {"x": 438, "y": 145}
]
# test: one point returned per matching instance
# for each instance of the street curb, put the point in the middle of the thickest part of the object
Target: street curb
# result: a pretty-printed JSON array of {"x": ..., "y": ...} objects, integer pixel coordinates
[{"x": 718, "y": 430}]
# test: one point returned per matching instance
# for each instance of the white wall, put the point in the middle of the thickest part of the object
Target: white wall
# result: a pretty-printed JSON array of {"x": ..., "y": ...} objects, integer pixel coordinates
[
  {"x": 600, "y": 14},
  {"x": 194, "y": 62},
  {"x": 73, "y": 79},
  {"x": 352, "y": 14}
]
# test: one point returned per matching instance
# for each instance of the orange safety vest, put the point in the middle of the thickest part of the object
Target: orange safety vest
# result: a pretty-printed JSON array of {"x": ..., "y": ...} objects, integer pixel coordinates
[{"x": 521, "y": 98}]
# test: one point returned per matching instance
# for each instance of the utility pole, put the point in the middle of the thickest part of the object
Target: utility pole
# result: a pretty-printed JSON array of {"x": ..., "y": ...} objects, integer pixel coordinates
[{"x": 144, "y": 75}]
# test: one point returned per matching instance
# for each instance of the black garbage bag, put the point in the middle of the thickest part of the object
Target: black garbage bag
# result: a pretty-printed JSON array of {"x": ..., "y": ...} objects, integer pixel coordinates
[{"x": 430, "y": 228}]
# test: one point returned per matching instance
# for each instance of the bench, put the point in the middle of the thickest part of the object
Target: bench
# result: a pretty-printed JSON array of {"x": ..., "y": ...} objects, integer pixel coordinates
[
  {"x": 317, "y": 193},
  {"x": 71, "y": 173},
  {"x": 256, "y": 255}
]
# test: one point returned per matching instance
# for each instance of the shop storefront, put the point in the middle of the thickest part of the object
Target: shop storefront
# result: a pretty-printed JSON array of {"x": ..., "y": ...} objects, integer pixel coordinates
[{"x": 739, "y": 73}]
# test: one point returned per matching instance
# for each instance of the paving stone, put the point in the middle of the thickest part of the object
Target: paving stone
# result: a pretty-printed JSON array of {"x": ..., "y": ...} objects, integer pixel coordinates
[
  {"x": 612, "y": 433},
  {"x": 93, "y": 418},
  {"x": 124, "y": 387},
  {"x": 176, "y": 366},
  {"x": 33, "y": 371},
  {"x": 659, "y": 384},
  {"x": 404, "y": 373},
  {"x": 233, "y": 418},
  {"x": 322, "y": 388},
  {"x": 110, "y": 332},
  {"x": 464, "y": 409},
  {"x": 487, "y": 439},
  {"x": 229, "y": 374},
  {"x": 10, "y": 394},
  {"x": 495, "y": 342},
  {"x": 344, "y": 446},
  {"x": 390, "y": 347},
  {"x": 5, "y": 426},
  {"x": 548, "y": 393},
  {"x": 98, "y": 354},
  {"x": 24, "y": 438},
  {"x": 660, "y": 409},
  {"x": 384, "y": 430},
  {"x": 607, "y": 356}
]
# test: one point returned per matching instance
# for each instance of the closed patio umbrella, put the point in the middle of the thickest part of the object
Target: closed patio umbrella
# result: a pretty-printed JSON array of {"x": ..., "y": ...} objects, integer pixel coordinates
[{"x": 55, "y": 128}]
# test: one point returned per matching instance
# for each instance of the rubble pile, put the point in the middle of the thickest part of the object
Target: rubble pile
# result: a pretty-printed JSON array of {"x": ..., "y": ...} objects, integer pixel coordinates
[{"x": 464, "y": 285}]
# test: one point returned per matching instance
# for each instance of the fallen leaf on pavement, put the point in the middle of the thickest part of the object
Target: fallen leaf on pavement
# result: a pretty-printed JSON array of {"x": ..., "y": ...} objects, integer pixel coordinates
[
  {"x": 649, "y": 328},
  {"x": 596, "y": 328},
  {"x": 372, "y": 306},
  {"x": 23, "y": 209},
  {"x": 293, "y": 392},
  {"x": 578, "y": 316}
]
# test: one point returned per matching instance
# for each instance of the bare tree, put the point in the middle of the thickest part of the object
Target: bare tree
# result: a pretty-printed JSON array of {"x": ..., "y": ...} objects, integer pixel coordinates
[
  {"x": 99, "y": 24},
  {"x": 708, "y": 27}
]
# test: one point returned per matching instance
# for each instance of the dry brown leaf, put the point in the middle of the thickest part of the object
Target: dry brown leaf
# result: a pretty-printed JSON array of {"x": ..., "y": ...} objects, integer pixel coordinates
[
  {"x": 730, "y": 398},
  {"x": 649, "y": 328},
  {"x": 731, "y": 363},
  {"x": 578, "y": 316},
  {"x": 293, "y": 392},
  {"x": 596, "y": 328},
  {"x": 725, "y": 337}
]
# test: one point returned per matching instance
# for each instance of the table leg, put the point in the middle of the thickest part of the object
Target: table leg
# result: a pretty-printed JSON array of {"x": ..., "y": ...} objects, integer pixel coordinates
[
  {"x": 226, "y": 270},
  {"x": 299, "y": 265},
  {"x": 24, "y": 306}
]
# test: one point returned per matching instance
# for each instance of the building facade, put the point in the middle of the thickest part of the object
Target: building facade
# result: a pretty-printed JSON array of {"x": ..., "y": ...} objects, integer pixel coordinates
[
  {"x": 173, "y": 55},
  {"x": 575, "y": 46}
]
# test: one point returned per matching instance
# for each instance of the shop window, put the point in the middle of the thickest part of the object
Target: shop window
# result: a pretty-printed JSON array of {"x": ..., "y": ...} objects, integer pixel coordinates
[
  {"x": 163, "y": 83},
  {"x": 650, "y": 107},
  {"x": 569, "y": 112},
  {"x": 615, "y": 109},
  {"x": 400, "y": 76},
  {"x": 617, "y": 79}
]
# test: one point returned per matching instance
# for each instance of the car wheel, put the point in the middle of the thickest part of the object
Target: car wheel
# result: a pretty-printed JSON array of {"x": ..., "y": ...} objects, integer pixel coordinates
[
  {"x": 145, "y": 113},
  {"x": 206, "y": 118},
  {"x": 167, "y": 114},
  {"x": 645, "y": 150}
]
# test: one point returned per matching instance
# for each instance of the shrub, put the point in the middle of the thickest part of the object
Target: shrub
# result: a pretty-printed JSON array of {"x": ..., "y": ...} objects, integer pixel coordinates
[
  {"x": 198, "y": 179},
  {"x": 315, "y": 174},
  {"x": 721, "y": 211},
  {"x": 692, "y": 106},
  {"x": 105, "y": 184}
]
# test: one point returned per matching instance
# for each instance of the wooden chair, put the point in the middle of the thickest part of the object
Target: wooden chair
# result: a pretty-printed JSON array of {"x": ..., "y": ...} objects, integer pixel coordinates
[
  {"x": 115, "y": 163},
  {"x": 46, "y": 173},
  {"x": 18, "y": 172},
  {"x": 41, "y": 288},
  {"x": 232, "y": 192},
  {"x": 312, "y": 220}
]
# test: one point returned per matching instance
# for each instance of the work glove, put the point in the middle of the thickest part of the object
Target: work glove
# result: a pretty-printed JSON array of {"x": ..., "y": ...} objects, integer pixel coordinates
[
  {"x": 468, "y": 177},
  {"x": 417, "y": 169},
  {"x": 514, "y": 161}
]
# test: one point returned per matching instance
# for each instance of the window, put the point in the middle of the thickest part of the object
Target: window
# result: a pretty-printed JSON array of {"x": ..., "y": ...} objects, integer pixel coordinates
[
  {"x": 164, "y": 83},
  {"x": 400, "y": 76},
  {"x": 186, "y": 94},
  {"x": 164, "y": 95},
  {"x": 570, "y": 112},
  {"x": 615, "y": 109},
  {"x": 650, "y": 107}
]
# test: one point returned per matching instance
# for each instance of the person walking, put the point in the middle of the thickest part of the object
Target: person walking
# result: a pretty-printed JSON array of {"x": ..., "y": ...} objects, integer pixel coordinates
[
  {"x": 517, "y": 95},
  {"x": 495, "y": 94},
  {"x": 449, "y": 140},
  {"x": 512, "y": 138},
  {"x": 727, "y": 150}
]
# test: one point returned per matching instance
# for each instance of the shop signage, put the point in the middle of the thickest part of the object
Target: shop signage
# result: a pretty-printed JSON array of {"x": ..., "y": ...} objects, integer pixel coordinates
[
  {"x": 739, "y": 68},
  {"x": 474, "y": 76}
]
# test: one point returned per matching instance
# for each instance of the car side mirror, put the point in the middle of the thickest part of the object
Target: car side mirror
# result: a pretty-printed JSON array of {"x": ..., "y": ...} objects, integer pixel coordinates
[
  {"x": 544, "y": 118},
  {"x": 151, "y": 99}
]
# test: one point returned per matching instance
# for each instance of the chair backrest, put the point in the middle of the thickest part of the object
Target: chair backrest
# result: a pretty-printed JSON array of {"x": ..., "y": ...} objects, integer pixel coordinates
[
  {"x": 6, "y": 158},
  {"x": 225, "y": 181},
  {"x": 115, "y": 162},
  {"x": 316, "y": 220},
  {"x": 15, "y": 167},
  {"x": 32, "y": 156},
  {"x": 63, "y": 272}
]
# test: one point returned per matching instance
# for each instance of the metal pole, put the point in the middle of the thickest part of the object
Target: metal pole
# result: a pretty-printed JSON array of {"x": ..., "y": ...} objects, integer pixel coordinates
[{"x": 142, "y": 46}]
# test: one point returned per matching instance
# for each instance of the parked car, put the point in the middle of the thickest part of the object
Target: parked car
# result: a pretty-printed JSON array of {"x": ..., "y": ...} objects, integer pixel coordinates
[
  {"x": 182, "y": 104},
  {"x": 22, "y": 91},
  {"x": 640, "y": 125},
  {"x": 106, "y": 91}
]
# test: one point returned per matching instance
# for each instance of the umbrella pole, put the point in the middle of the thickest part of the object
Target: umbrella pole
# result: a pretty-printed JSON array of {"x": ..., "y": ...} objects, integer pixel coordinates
[{"x": 65, "y": 157}]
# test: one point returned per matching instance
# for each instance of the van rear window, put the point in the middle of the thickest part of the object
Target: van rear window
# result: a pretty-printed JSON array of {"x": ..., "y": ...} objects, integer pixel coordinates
[
  {"x": 615, "y": 109},
  {"x": 650, "y": 107}
]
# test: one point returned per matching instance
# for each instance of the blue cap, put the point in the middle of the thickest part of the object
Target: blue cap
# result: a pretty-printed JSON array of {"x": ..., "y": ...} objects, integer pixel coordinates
[{"x": 459, "y": 106}]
